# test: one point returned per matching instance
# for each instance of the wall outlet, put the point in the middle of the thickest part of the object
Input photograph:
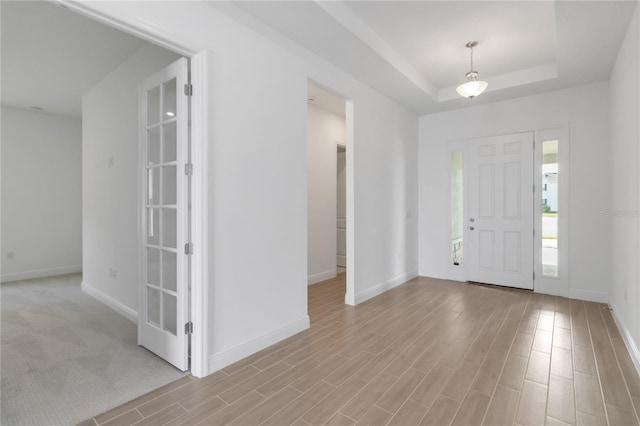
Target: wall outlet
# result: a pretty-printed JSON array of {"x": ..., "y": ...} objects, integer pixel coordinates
[
  {"x": 11, "y": 255},
  {"x": 113, "y": 273}
]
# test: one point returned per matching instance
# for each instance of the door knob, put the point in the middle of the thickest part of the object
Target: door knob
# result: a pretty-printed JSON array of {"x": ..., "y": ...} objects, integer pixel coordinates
[{"x": 471, "y": 228}]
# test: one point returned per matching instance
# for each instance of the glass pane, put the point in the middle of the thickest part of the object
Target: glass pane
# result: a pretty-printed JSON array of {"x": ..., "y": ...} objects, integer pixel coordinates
[
  {"x": 169, "y": 108},
  {"x": 169, "y": 150},
  {"x": 169, "y": 185},
  {"x": 169, "y": 313},
  {"x": 153, "y": 106},
  {"x": 457, "y": 214},
  {"x": 153, "y": 227},
  {"x": 153, "y": 186},
  {"x": 153, "y": 146},
  {"x": 169, "y": 228},
  {"x": 153, "y": 266},
  {"x": 153, "y": 306},
  {"x": 169, "y": 270},
  {"x": 550, "y": 208}
]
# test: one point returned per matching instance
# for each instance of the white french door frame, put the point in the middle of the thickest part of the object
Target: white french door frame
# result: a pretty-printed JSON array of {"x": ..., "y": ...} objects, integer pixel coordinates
[
  {"x": 200, "y": 63},
  {"x": 541, "y": 284}
]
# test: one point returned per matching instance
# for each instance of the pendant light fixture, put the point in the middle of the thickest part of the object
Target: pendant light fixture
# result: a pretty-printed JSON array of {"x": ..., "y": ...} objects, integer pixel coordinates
[{"x": 473, "y": 87}]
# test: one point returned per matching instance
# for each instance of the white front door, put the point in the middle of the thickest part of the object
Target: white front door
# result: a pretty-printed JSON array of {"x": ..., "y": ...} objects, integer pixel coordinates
[
  {"x": 499, "y": 221},
  {"x": 164, "y": 275}
]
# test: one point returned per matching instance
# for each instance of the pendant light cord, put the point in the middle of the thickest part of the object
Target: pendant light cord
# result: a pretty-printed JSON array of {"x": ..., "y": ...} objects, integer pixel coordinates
[{"x": 471, "y": 58}]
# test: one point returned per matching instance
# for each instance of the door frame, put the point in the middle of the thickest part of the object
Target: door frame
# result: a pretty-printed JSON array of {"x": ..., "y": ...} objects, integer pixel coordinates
[
  {"x": 548, "y": 285},
  {"x": 349, "y": 138},
  {"x": 200, "y": 64}
]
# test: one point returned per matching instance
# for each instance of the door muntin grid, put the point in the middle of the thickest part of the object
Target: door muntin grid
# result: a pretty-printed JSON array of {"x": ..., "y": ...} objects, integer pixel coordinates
[{"x": 161, "y": 207}]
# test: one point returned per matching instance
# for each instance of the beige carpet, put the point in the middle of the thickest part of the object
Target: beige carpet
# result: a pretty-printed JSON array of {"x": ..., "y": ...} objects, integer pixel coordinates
[{"x": 66, "y": 357}]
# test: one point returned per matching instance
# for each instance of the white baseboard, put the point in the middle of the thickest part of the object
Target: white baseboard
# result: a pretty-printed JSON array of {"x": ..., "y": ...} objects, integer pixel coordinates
[
  {"x": 590, "y": 296},
  {"x": 385, "y": 286},
  {"x": 628, "y": 339},
  {"x": 349, "y": 299},
  {"x": 40, "y": 273},
  {"x": 228, "y": 357},
  {"x": 117, "y": 306},
  {"x": 316, "y": 278}
]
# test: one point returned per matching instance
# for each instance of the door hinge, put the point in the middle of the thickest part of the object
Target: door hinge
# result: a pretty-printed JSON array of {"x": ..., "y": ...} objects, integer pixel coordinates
[
  {"x": 188, "y": 248},
  {"x": 534, "y": 275},
  {"x": 534, "y": 232},
  {"x": 188, "y": 90},
  {"x": 188, "y": 169},
  {"x": 534, "y": 188},
  {"x": 188, "y": 328}
]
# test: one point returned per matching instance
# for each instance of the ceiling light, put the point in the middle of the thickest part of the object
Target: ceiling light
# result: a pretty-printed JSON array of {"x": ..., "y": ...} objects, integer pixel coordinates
[
  {"x": 170, "y": 114},
  {"x": 473, "y": 87}
]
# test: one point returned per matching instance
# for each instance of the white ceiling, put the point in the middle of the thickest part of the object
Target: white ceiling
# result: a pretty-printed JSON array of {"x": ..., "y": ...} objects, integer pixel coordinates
[
  {"x": 512, "y": 36},
  {"x": 51, "y": 56},
  {"x": 414, "y": 51},
  {"x": 326, "y": 100}
]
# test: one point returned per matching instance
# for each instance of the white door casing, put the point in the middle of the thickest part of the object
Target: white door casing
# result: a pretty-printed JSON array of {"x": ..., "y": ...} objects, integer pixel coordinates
[
  {"x": 499, "y": 222},
  {"x": 164, "y": 214}
]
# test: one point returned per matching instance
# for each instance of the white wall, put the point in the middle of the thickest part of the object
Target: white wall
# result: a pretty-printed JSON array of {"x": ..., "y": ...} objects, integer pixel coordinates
[
  {"x": 585, "y": 110},
  {"x": 386, "y": 198},
  {"x": 41, "y": 194},
  {"x": 324, "y": 130},
  {"x": 624, "y": 291},
  {"x": 110, "y": 194},
  {"x": 257, "y": 182}
]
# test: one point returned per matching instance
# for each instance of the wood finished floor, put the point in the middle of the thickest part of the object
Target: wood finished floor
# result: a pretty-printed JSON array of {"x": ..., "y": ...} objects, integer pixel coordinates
[{"x": 428, "y": 352}]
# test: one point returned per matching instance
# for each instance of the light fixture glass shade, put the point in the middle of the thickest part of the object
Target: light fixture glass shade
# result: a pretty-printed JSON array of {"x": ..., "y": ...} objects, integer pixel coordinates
[{"x": 471, "y": 88}]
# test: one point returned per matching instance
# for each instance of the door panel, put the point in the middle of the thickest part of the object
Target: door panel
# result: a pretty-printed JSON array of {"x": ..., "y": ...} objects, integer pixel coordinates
[
  {"x": 500, "y": 210},
  {"x": 486, "y": 249},
  {"x": 486, "y": 184},
  {"x": 512, "y": 252},
  {"x": 164, "y": 149}
]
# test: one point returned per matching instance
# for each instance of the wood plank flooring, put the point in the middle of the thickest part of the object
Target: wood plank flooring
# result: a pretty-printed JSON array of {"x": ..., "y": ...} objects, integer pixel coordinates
[{"x": 429, "y": 352}]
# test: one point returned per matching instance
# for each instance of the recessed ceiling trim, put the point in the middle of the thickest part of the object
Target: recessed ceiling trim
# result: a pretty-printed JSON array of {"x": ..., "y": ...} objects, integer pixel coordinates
[
  {"x": 354, "y": 24},
  {"x": 507, "y": 80}
]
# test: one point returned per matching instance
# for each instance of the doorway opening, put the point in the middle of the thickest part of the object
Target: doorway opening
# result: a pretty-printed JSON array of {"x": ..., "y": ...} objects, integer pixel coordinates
[
  {"x": 341, "y": 209},
  {"x": 327, "y": 200},
  {"x": 199, "y": 63},
  {"x": 70, "y": 330},
  {"x": 472, "y": 167}
]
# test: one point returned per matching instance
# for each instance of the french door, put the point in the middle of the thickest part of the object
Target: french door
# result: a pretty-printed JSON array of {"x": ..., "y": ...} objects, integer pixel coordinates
[
  {"x": 164, "y": 275},
  {"x": 499, "y": 220}
]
